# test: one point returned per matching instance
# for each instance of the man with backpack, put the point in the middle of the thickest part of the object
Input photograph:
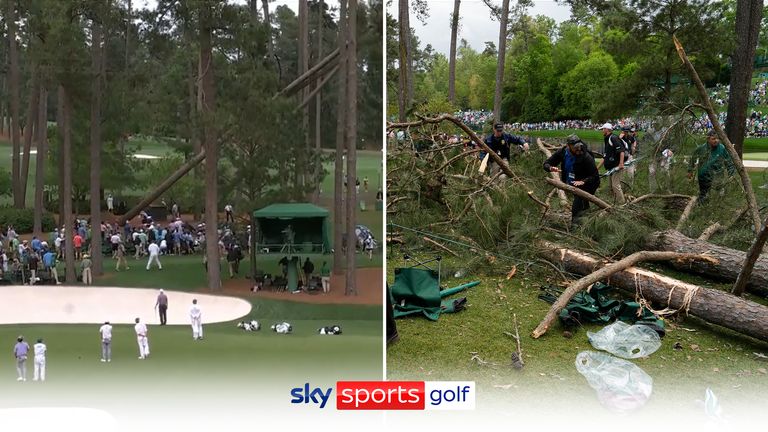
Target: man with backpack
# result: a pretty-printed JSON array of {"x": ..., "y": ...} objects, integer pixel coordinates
[{"x": 615, "y": 155}]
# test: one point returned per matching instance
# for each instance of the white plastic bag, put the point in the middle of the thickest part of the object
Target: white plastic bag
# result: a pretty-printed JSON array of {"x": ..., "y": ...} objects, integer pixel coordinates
[
  {"x": 621, "y": 385},
  {"x": 626, "y": 341}
]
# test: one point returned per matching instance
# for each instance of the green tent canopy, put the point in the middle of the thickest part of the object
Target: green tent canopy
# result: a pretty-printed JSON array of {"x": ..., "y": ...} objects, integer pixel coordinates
[{"x": 308, "y": 222}]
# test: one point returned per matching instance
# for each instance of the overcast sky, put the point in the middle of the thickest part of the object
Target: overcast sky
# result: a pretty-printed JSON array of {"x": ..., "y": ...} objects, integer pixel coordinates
[{"x": 476, "y": 25}]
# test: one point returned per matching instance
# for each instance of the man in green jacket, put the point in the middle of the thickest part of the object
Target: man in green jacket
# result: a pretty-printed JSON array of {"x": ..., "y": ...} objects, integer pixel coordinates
[{"x": 713, "y": 161}]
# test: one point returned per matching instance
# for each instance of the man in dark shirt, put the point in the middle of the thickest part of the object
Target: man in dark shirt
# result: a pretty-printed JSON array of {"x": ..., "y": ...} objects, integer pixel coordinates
[
  {"x": 308, "y": 268},
  {"x": 500, "y": 142},
  {"x": 162, "y": 306},
  {"x": 577, "y": 168},
  {"x": 615, "y": 153}
]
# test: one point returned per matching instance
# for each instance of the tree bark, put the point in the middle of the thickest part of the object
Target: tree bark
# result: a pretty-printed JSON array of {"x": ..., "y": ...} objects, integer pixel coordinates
[
  {"x": 162, "y": 187},
  {"x": 707, "y": 104},
  {"x": 502, "y": 56},
  {"x": 15, "y": 104},
  {"x": 452, "y": 54},
  {"x": 317, "y": 89},
  {"x": 304, "y": 79},
  {"x": 555, "y": 176},
  {"x": 729, "y": 261},
  {"x": 95, "y": 188},
  {"x": 34, "y": 94},
  {"x": 42, "y": 155},
  {"x": 404, "y": 58},
  {"x": 341, "y": 123},
  {"x": 351, "y": 131},
  {"x": 749, "y": 262},
  {"x": 268, "y": 25},
  {"x": 318, "y": 102},
  {"x": 749, "y": 13},
  {"x": 603, "y": 273},
  {"x": 65, "y": 138},
  {"x": 713, "y": 306},
  {"x": 303, "y": 50},
  {"x": 210, "y": 145},
  {"x": 576, "y": 191}
]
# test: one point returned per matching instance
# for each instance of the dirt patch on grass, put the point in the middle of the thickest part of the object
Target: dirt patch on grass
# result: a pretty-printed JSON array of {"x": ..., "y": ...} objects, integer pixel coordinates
[{"x": 369, "y": 290}]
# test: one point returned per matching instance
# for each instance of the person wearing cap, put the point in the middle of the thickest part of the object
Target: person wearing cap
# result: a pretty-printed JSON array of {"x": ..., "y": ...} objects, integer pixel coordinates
[
  {"x": 106, "y": 342},
  {"x": 712, "y": 160},
  {"x": 49, "y": 263},
  {"x": 85, "y": 266},
  {"x": 162, "y": 306},
  {"x": 614, "y": 156},
  {"x": 20, "y": 351},
  {"x": 629, "y": 142},
  {"x": 577, "y": 168},
  {"x": 40, "y": 350},
  {"x": 499, "y": 142}
]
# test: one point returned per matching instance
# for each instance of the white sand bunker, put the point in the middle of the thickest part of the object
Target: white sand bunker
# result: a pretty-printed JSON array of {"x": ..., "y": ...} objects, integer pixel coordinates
[{"x": 49, "y": 304}]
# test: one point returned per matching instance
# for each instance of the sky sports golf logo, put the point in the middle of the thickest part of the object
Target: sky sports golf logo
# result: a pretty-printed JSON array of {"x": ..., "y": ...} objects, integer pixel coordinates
[{"x": 390, "y": 395}]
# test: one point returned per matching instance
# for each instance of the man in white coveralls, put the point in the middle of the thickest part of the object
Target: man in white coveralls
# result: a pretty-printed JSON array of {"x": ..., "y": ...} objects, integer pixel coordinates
[
  {"x": 195, "y": 314},
  {"x": 40, "y": 350},
  {"x": 141, "y": 338},
  {"x": 106, "y": 342}
]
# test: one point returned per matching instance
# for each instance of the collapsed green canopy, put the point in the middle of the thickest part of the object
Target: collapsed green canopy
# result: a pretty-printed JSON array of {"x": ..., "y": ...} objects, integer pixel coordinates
[
  {"x": 417, "y": 291},
  {"x": 308, "y": 222}
]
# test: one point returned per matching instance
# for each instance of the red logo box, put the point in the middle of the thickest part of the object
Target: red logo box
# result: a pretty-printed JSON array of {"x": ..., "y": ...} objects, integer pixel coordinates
[{"x": 380, "y": 395}]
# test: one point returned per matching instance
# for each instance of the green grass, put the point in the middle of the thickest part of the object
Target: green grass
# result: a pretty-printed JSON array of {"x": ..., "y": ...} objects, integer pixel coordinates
[
  {"x": 226, "y": 363},
  {"x": 186, "y": 273},
  {"x": 443, "y": 349}
]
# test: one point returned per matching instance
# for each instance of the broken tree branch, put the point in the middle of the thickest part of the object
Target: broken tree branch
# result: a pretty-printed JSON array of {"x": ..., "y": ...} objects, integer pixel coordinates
[
  {"x": 711, "y": 305},
  {"x": 686, "y": 213},
  {"x": 715, "y": 227},
  {"x": 576, "y": 191},
  {"x": 472, "y": 135},
  {"x": 443, "y": 247},
  {"x": 749, "y": 262},
  {"x": 548, "y": 154},
  {"x": 745, "y": 181},
  {"x": 604, "y": 273}
]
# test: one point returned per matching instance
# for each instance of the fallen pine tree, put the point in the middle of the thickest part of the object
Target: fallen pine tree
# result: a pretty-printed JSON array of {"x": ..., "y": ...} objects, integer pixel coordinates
[
  {"x": 713, "y": 306},
  {"x": 728, "y": 262}
]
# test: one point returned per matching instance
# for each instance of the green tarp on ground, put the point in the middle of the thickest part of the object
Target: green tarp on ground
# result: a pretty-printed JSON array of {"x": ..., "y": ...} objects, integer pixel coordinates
[
  {"x": 596, "y": 306},
  {"x": 417, "y": 291}
]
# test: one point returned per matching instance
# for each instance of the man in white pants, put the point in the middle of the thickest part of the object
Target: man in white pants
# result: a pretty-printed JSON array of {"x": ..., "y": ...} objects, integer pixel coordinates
[
  {"x": 195, "y": 314},
  {"x": 40, "y": 349},
  {"x": 154, "y": 255},
  {"x": 141, "y": 338},
  {"x": 106, "y": 342}
]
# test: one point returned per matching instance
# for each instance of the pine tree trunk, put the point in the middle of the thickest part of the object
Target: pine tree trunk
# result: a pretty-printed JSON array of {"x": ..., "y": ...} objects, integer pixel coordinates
[
  {"x": 729, "y": 261},
  {"x": 211, "y": 148},
  {"x": 452, "y": 61},
  {"x": 301, "y": 153},
  {"x": 268, "y": 25},
  {"x": 351, "y": 147},
  {"x": 404, "y": 59},
  {"x": 34, "y": 94},
  {"x": 341, "y": 123},
  {"x": 502, "y": 56},
  {"x": 65, "y": 137},
  {"x": 95, "y": 188},
  {"x": 713, "y": 306},
  {"x": 42, "y": 160},
  {"x": 15, "y": 104},
  {"x": 318, "y": 106},
  {"x": 749, "y": 13}
]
